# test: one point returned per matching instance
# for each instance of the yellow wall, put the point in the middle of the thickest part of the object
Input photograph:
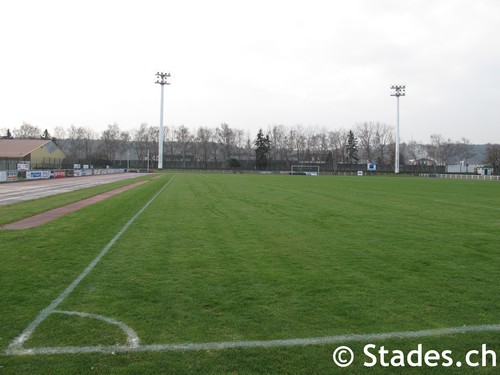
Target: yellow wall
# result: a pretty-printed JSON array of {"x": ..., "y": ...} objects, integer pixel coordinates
[{"x": 47, "y": 154}]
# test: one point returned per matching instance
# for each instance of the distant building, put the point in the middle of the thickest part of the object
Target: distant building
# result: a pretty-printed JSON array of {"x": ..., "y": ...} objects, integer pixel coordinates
[
  {"x": 40, "y": 153},
  {"x": 484, "y": 170},
  {"x": 422, "y": 161},
  {"x": 461, "y": 168}
]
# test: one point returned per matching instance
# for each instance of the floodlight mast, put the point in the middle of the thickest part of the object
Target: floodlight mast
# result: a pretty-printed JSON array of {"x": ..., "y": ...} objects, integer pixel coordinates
[
  {"x": 161, "y": 78},
  {"x": 397, "y": 91}
]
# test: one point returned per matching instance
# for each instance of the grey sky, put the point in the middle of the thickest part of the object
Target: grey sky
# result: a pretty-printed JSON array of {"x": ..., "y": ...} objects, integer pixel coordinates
[{"x": 253, "y": 64}]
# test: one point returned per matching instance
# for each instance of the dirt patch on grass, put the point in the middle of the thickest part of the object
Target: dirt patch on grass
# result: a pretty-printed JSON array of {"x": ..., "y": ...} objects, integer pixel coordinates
[{"x": 45, "y": 217}]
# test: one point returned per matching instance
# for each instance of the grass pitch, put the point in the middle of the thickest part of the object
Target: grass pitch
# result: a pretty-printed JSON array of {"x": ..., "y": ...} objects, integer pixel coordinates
[{"x": 236, "y": 258}]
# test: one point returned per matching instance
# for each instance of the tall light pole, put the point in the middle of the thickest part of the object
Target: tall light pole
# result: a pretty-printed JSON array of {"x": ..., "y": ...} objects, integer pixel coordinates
[
  {"x": 397, "y": 91},
  {"x": 161, "y": 78}
]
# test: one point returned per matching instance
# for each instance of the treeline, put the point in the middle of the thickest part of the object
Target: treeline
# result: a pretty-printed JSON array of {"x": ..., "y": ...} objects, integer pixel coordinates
[{"x": 224, "y": 146}]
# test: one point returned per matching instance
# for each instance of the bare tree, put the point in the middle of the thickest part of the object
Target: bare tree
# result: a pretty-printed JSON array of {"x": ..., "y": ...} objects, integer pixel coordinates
[
  {"x": 323, "y": 144},
  {"x": 205, "y": 137},
  {"x": 309, "y": 144},
  {"x": 75, "y": 144},
  {"x": 172, "y": 146},
  {"x": 313, "y": 145},
  {"x": 299, "y": 144},
  {"x": 338, "y": 147},
  {"x": 59, "y": 137},
  {"x": 277, "y": 136},
  {"x": 383, "y": 138},
  {"x": 141, "y": 141},
  {"x": 124, "y": 144},
  {"x": 288, "y": 147},
  {"x": 464, "y": 151},
  {"x": 442, "y": 150},
  {"x": 145, "y": 142},
  {"x": 274, "y": 139},
  {"x": 415, "y": 150},
  {"x": 59, "y": 132},
  {"x": 89, "y": 137},
  {"x": 226, "y": 137},
  {"x": 153, "y": 139},
  {"x": 493, "y": 157},
  {"x": 239, "y": 142},
  {"x": 248, "y": 148},
  {"x": 366, "y": 133},
  {"x": 183, "y": 138},
  {"x": 28, "y": 131},
  {"x": 110, "y": 142}
]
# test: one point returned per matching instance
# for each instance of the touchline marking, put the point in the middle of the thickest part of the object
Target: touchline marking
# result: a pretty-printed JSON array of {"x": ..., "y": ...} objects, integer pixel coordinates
[
  {"x": 17, "y": 343},
  {"x": 255, "y": 344}
]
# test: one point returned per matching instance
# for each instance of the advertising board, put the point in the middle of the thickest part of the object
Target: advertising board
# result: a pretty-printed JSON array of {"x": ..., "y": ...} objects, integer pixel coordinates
[
  {"x": 11, "y": 176},
  {"x": 37, "y": 175}
]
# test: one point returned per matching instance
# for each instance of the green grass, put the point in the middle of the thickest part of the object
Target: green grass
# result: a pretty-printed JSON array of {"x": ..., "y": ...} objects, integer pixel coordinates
[{"x": 251, "y": 257}]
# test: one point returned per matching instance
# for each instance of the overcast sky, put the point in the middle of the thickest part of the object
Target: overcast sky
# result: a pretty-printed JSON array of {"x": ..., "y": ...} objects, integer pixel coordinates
[{"x": 326, "y": 64}]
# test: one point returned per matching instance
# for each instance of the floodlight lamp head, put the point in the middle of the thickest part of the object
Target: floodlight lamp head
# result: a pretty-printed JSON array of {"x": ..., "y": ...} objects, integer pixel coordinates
[
  {"x": 399, "y": 90},
  {"x": 161, "y": 78}
]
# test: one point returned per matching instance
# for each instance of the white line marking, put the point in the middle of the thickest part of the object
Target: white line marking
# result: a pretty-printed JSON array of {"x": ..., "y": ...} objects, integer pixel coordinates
[
  {"x": 17, "y": 343},
  {"x": 257, "y": 344},
  {"x": 132, "y": 338}
]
